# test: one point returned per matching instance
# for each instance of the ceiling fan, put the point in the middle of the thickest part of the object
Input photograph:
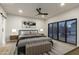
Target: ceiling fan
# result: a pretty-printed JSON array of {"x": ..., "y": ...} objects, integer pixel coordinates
[{"x": 39, "y": 12}]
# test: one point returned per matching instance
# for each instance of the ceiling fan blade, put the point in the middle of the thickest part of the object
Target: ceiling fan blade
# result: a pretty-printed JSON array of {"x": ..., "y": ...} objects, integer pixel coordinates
[
  {"x": 38, "y": 11},
  {"x": 44, "y": 13}
]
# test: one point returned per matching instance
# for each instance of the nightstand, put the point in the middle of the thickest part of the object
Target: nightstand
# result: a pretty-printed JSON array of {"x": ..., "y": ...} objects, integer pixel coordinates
[{"x": 13, "y": 37}]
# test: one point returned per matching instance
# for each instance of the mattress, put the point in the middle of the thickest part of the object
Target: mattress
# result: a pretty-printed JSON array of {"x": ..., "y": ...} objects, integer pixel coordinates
[{"x": 33, "y": 40}]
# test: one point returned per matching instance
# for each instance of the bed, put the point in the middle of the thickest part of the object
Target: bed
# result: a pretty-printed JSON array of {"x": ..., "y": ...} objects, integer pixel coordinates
[
  {"x": 25, "y": 34},
  {"x": 31, "y": 40}
]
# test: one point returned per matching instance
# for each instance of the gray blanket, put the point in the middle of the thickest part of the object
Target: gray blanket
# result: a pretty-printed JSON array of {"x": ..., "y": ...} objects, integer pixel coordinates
[
  {"x": 33, "y": 40},
  {"x": 30, "y": 36}
]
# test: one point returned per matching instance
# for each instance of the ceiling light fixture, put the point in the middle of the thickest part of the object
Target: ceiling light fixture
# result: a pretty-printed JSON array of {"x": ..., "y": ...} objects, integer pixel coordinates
[
  {"x": 42, "y": 16},
  {"x": 62, "y": 4},
  {"x": 20, "y": 11}
]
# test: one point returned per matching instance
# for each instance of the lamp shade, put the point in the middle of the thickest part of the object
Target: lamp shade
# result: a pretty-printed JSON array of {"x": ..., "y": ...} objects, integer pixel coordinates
[
  {"x": 14, "y": 30},
  {"x": 41, "y": 30}
]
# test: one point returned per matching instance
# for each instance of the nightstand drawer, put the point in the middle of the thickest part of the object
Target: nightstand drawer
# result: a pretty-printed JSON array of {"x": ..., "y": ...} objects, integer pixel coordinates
[{"x": 14, "y": 37}]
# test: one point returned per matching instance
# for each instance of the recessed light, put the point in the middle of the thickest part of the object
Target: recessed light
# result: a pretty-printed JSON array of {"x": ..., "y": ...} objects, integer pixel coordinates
[
  {"x": 62, "y": 4},
  {"x": 20, "y": 11}
]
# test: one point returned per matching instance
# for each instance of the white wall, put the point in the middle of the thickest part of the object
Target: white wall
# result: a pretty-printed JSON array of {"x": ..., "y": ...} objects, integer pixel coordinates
[
  {"x": 65, "y": 16},
  {"x": 15, "y": 22}
]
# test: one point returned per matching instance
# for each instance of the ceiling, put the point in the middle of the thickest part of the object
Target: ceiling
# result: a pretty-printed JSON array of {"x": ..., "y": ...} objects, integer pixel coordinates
[{"x": 29, "y": 9}]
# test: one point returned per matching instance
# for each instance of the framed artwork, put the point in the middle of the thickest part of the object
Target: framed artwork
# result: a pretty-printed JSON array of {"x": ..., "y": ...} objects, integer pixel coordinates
[{"x": 28, "y": 24}]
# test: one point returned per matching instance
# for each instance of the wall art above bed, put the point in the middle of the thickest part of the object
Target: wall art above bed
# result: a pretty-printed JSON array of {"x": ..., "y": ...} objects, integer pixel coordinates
[{"x": 28, "y": 24}]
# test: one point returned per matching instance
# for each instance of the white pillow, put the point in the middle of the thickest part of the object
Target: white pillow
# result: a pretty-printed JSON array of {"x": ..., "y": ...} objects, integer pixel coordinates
[{"x": 25, "y": 32}]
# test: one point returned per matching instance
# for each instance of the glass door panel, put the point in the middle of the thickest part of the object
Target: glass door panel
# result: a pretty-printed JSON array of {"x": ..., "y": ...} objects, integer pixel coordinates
[
  {"x": 50, "y": 30},
  {"x": 54, "y": 30},
  {"x": 62, "y": 31},
  {"x": 71, "y": 31}
]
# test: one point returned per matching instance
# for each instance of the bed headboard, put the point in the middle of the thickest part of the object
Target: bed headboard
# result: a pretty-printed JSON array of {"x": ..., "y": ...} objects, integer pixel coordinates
[{"x": 28, "y": 32}]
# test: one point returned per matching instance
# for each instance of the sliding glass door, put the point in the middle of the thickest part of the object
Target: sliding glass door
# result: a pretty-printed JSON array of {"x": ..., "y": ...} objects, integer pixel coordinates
[
  {"x": 54, "y": 30},
  {"x": 50, "y": 30},
  {"x": 71, "y": 31},
  {"x": 62, "y": 31}
]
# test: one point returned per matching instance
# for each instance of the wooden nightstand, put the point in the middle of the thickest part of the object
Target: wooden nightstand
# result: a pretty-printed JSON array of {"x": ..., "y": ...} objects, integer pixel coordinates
[{"x": 13, "y": 37}]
